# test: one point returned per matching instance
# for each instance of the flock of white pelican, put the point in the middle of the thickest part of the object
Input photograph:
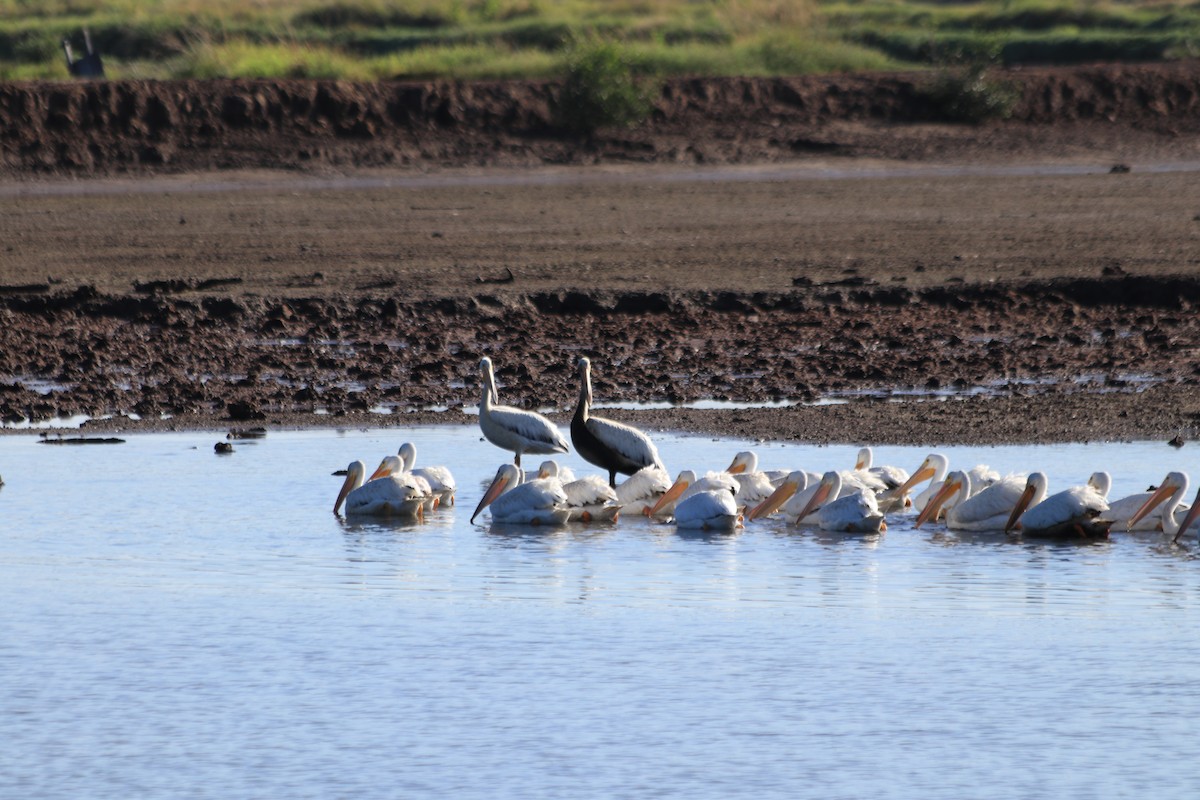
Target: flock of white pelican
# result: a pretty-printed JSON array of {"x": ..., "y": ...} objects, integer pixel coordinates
[{"x": 848, "y": 500}]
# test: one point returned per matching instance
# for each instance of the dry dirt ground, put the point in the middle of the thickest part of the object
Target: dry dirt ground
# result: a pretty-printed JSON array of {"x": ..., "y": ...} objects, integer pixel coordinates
[{"x": 976, "y": 294}]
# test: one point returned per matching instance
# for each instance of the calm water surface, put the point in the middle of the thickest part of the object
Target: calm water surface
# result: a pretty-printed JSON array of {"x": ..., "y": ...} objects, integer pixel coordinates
[{"x": 175, "y": 623}]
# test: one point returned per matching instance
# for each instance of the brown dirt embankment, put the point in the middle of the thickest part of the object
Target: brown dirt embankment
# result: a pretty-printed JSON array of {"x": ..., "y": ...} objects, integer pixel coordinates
[{"x": 179, "y": 126}]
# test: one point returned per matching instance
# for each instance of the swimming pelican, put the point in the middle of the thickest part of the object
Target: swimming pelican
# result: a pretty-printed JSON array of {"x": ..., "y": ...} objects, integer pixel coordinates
[
  {"x": 387, "y": 497},
  {"x": 753, "y": 486},
  {"x": 986, "y": 510},
  {"x": 1072, "y": 512},
  {"x": 393, "y": 467},
  {"x": 610, "y": 445},
  {"x": 1122, "y": 510},
  {"x": 441, "y": 482},
  {"x": 891, "y": 477},
  {"x": 1172, "y": 490},
  {"x": 686, "y": 484},
  {"x": 589, "y": 499},
  {"x": 638, "y": 493},
  {"x": 511, "y": 428},
  {"x": 711, "y": 509},
  {"x": 538, "y": 502},
  {"x": 853, "y": 512}
]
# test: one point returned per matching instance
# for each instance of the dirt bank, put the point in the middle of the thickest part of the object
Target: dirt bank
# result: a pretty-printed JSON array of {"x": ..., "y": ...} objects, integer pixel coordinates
[
  {"x": 999, "y": 283},
  {"x": 179, "y": 126}
]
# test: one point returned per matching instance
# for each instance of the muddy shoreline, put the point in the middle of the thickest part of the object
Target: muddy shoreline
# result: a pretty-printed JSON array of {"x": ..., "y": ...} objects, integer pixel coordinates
[{"x": 873, "y": 285}]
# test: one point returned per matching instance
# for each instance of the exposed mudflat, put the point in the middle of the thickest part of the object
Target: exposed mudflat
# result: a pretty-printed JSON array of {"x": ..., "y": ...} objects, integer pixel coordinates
[{"x": 963, "y": 294}]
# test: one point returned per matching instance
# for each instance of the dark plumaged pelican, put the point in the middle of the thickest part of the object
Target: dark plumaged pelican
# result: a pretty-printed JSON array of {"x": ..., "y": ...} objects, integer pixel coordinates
[
  {"x": 511, "y": 428},
  {"x": 609, "y": 445}
]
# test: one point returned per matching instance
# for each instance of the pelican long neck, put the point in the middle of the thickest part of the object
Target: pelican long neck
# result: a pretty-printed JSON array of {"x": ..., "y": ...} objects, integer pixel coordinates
[
  {"x": 1170, "y": 523},
  {"x": 489, "y": 388},
  {"x": 583, "y": 407}
]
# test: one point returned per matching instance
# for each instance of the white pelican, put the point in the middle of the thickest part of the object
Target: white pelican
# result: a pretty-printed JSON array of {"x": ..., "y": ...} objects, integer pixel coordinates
[
  {"x": 538, "y": 502},
  {"x": 687, "y": 485},
  {"x": 753, "y": 486},
  {"x": 589, "y": 499},
  {"x": 610, "y": 445},
  {"x": 441, "y": 482},
  {"x": 1072, "y": 512},
  {"x": 987, "y": 510},
  {"x": 393, "y": 467},
  {"x": 1192, "y": 513},
  {"x": 934, "y": 469},
  {"x": 511, "y": 428},
  {"x": 387, "y": 497},
  {"x": 1122, "y": 510},
  {"x": 638, "y": 493},
  {"x": 711, "y": 509},
  {"x": 1172, "y": 490},
  {"x": 853, "y": 512},
  {"x": 891, "y": 477}
]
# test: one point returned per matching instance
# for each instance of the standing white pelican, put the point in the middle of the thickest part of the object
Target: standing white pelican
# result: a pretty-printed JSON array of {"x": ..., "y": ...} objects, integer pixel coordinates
[
  {"x": 387, "y": 497},
  {"x": 589, "y": 498},
  {"x": 538, "y": 502},
  {"x": 686, "y": 485},
  {"x": 393, "y": 467},
  {"x": 853, "y": 512},
  {"x": 1172, "y": 490},
  {"x": 753, "y": 486},
  {"x": 987, "y": 510},
  {"x": 638, "y": 493},
  {"x": 610, "y": 445},
  {"x": 1073, "y": 512},
  {"x": 711, "y": 509},
  {"x": 511, "y": 428},
  {"x": 441, "y": 482}
]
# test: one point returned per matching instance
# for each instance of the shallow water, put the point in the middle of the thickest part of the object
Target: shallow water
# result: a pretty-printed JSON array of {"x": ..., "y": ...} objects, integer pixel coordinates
[{"x": 175, "y": 623}]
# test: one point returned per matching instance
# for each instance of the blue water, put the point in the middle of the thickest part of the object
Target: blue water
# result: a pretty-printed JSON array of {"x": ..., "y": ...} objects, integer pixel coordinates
[{"x": 174, "y": 623}]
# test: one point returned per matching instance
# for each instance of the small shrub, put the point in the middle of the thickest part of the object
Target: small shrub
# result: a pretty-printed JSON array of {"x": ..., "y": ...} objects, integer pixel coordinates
[
  {"x": 600, "y": 89},
  {"x": 968, "y": 94}
]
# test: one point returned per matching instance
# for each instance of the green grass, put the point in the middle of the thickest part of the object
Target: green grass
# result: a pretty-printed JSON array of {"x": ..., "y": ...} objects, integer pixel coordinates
[{"x": 480, "y": 39}]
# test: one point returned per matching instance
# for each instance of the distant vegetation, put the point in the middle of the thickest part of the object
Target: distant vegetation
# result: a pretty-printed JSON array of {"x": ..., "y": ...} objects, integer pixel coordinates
[{"x": 472, "y": 39}]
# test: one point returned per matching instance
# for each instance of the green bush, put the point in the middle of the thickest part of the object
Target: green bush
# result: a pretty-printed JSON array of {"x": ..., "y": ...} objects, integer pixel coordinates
[{"x": 600, "y": 89}]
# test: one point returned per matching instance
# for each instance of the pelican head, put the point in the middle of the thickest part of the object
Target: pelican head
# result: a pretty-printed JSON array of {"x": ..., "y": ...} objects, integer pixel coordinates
[
  {"x": 682, "y": 482},
  {"x": 354, "y": 479},
  {"x": 957, "y": 482},
  {"x": 389, "y": 466},
  {"x": 828, "y": 489},
  {"x": 934, "y": 465},
  {"x": 548, "y": 469},
  {"x": 1035, "y": 492},
  {"x": 743, "y": 462},
  {"x": 1174, "y": 483},
  {"x": 1101, "y": 482},
  {"x": 796, "y": 481},
  {"x": 508, "y": 477},
  {"x": 408, "y": 456},
  {"x": 865, "y": 459}
]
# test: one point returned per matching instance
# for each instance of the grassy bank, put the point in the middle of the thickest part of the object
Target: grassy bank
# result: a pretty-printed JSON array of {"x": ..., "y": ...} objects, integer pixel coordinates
[{"x": 477, "y": 39}]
